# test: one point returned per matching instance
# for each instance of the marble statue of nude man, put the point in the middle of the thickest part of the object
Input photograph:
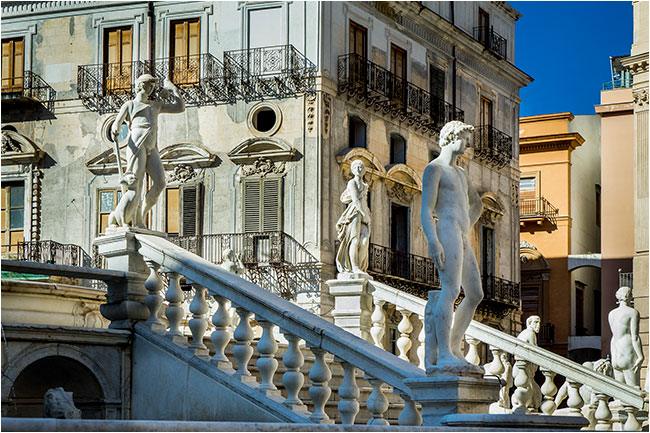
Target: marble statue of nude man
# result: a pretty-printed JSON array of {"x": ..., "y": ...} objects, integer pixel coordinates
[
  {"x": 448, "y": 194},
  {"x": 625, "y": 346}
]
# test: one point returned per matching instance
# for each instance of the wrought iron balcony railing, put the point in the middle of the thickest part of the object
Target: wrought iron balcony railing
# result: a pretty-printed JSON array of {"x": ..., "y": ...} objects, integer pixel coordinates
[
  {"x": 621, "y": 83},
  {"x": 200, "y": 78},
  {"x": 364, "y": 80},
  {"x": 492, "y": 145},
  {"x": 538, "y": 208},
  {"x": 273, "y": 260},
  {"x": 48, "y": 252},
  {"x": 408, "y": 272},
  {"x": 268, "y": 72},
  {"x": 497, "y": 289},
  {"x": 491, "y": 40},
  {"x": 32, "y": 87},
  {"x": 106, "y": 86}
]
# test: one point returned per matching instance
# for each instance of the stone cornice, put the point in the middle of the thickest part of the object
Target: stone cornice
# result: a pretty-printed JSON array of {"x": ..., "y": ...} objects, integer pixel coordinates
[
  {"x": 545, "y": 143},
  {"x": 637, "y": 64},
  {"x": 542, "y": 117},
  {"x": 616, "y": 108},
  {"x": 67, "y": 334},
  {"x": 30, "y": 8}
]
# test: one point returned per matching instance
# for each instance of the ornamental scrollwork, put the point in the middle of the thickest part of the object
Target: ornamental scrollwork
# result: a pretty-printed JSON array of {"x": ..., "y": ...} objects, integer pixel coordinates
[
  {"x": 263, "y": 167},
  {"x": 640, "y": 98},
  {"x": 182, "y": 173},
  {"x": 399, "y": 193},
  {"x": 9, "y": 145}
]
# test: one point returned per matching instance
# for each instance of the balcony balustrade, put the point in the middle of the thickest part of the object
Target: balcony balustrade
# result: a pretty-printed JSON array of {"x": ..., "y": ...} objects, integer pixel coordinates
[
  {"x": 105, "y": 87},
  {"x": 386, "y": 92},
  {"x": 29, "y": 87},
  {"x": 497, "y": 289},
  {"x": 492, "y": 145},
  {"x": 625, "y": 279},
  {"x": 47, "y": 252},
  {"x": 268, "y": 72},
  {"x": 538, "y": 212},
  {"x": 491, "y": 40}
]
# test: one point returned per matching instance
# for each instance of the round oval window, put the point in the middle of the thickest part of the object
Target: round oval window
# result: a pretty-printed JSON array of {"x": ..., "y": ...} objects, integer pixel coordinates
[{"x": 264, "y": 119}]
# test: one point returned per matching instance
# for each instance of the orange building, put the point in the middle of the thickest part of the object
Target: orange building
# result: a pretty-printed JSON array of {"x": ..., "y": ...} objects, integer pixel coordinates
[{"x": 559, "y": 230}]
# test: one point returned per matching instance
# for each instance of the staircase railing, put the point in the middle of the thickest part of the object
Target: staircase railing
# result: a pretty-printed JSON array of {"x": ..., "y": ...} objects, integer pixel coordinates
[
  {"x": 296, "y": 324},
  {"x": 499, "y": 342}
]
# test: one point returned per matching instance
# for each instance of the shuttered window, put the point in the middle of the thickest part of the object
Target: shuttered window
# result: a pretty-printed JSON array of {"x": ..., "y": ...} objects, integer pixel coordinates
[
  {"x": 183, "y": 210},
  {"x": 13, "y": 214},
  {"x": 117, "y": 59},
  {"x": 437, "y": 89},
  {"x": 184, "y": 53},
  {"x": 13, "y": 62},
  {"x": 358, "y": 38},
  {"x": 398, "y": 68},
  {"x": 262, "y": 205}
]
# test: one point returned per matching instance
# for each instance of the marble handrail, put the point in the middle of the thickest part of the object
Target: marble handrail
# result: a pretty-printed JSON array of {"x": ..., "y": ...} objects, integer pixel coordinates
[
  {"x": 545, "y": 359},
  {"x": 317, "y": 332}
]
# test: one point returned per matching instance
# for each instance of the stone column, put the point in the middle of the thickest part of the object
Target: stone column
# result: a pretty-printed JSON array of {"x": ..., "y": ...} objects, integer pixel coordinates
[
  {"x": 125, "y": 299},
  {"x": 352, "y": 305}
]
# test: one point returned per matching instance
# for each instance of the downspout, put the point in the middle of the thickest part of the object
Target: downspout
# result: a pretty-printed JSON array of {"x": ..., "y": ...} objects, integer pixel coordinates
[
  {"x": 453, "y": 65},
  {"x": 152, "y": 34}
]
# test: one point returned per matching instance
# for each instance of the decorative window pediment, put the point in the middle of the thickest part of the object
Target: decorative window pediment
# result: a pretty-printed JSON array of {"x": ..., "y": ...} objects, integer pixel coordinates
[
  {"x": 374, "y": 169},
  {"x": 531, "y": 258},
  {"x": 104, "y": 163},
  {"x": 258, "y": 148},
  {"x": 402, "y": 182},
  {"x": 18, "y": 149},
  {"x": 493, "y": 208}
]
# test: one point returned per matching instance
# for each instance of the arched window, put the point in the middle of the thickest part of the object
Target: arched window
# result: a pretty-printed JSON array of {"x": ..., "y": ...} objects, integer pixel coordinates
[
  {"x": 397, "y": 149},
  {"x": 357, "y": 130}
]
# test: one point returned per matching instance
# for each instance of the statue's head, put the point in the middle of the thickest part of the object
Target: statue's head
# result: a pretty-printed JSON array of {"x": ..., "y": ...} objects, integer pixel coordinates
[
  {"x": 146, "y": 81},
  {"x": 455, "y": 131},
  {"x": 358, "y": 167},
  {"x": 533, "y": 323},
  {"x": 229, "y": 255},
  {"x": 624, "y": 294}
]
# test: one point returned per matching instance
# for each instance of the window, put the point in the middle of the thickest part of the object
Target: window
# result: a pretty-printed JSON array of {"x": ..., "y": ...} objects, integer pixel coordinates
[
  {"x": 358, "y": 38},
  {"x": 262, "y": 205},
  {"x": 486, "y": 112},
  {"x": 399, "y": 228},
  {"x": 528, "y": 188},
  {"x": 265, "y": 27},
  {"x": 183, "y": 210},
  {"x": 530, "y": 300},
  {"x": 184, "y": 52},
  {"x": 397, "y": 149},
  {"x": 487, "y": 251},
  {"x": 108, "y": 199},
  {"x": 437, "y": 90},
  {"x": 484, "y": 26},
  {"x": 357, "y": 132},
  {"x": 598, "y": 205},
  {"x": 398, "y": 68},
  {"x": 13, "y": 61},
  {"x": 13, "y": 214},
  {"x": 117, "y": 59},
  {"x": 580, "y": 309}
]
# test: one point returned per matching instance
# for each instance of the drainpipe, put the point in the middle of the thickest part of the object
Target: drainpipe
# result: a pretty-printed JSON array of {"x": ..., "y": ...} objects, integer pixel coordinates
[
  {"x": 152, "y": 33},
  {"x": 453, "y": 64}
]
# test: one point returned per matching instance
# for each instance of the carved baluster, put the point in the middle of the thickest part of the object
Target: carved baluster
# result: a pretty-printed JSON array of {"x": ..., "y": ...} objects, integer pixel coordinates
[
  {"x": 421, "y": 348},
  {"x": 631, "y": 423},
  {"x": 495, "y": 366},
  {"x": 198, "y": 325},
  {"x": 378, "y": 323},
  {"x": 153, "y": 300},
  {"x": 319, "y": 392},
  {"x": 376, "y": 403},
  {"x": 221, "y": 334},
  {"x": 603, "y": 415},
  {"x": 548, "y": 391},
  {"x": 174, "y": 311},
  {"x": 521, "y": 397},
  {"x": 404, "y": 340},
  {"x": 575, "y": 401},
  {"x": 472, "y": 354},
  {"x": 243, "y": 351},
  {"x": 348, "y": 393},
  {"x": 410, "y": 414},
  {"x": 266, "y": 363},
  {"x": 293, "y": 379}
]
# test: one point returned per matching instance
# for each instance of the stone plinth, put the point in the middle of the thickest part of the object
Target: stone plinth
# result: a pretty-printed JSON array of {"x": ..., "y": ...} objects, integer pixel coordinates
[
  {"x": 447, "y": 395},
  {"x": 125, "y": 300},
  {"x": 352, "y": 304}
]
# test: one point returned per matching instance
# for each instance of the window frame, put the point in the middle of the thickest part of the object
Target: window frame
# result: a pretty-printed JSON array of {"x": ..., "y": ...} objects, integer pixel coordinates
[
  {"x": 117, "y": 192},
  {"x": 15, "y": 82},
  {"x": 106, "y": 76},
  {"x": 198, "y": 209},
  {"x": 6, "y": 211},
  {"x": 393, "y": 137},
  {"x": 261, "y": 208},
  {"x": 357, "y": 120}
]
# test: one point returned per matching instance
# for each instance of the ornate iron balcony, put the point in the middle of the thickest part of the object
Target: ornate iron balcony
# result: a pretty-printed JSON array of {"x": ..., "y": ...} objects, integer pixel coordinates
[
  {"x": 491, "y": 40},
  {"x": 366, "y": 81},
  {"x": 273, "y": 260},
  {"x": 502, "y": 291},
  {"x": 200, "y": 78},
  {"x": 408, "y": 272},
  {"x": 538, "y": 209},
  {"x": 492, "y": 145},
  {"x": 546, "y": 334},
  {"x": 106, "y": 86},
  {"x": 268, "y": 72},
  {"x": 47, "y": 252},
  {"x": 30, "y": 87}
]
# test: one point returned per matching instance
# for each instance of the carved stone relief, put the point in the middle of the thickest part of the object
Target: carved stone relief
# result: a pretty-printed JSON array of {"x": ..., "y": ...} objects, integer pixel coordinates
[
  {"x": 9, "y": 145},
  {"x": 311, "y": 112},
  {"x": 327, "y": 107},
  {"x": 399, "y": 193},
  {"x": 263, "y": 167},
  {"x": 640, "y": 98},
  {"x": 182, "y": 173}
]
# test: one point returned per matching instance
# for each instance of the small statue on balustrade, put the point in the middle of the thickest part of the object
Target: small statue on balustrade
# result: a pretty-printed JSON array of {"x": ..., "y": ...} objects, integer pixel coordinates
[
  {"x": 450, "y": 207},
  {"x": 529, "y": 335},
  {"x": 232, "y": 263},
  {"x": 353, "y": 227},
  {"x": 141, "y": 114},
  {"x": 625, "y": 346}
]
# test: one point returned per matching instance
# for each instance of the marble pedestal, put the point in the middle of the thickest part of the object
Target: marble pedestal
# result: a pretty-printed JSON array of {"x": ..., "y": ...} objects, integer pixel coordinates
[
  {"x": 125, "y": 299},
  {"x": 352, "y": 303}
]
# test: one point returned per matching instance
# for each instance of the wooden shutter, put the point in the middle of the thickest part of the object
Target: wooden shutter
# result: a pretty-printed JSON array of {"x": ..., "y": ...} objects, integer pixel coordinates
[
  {"x": 486, "y": 112},
  {"x": 172, "y": 207},
  {"x": 13, "y": 63},
  {"x": 191, "y": 210},
  {"x": 117, "y": 57},
  {"x": 358, "y": 35},
  {"x": 398, "y": 68},
  {"x": 262, "y": 205},
  {"x": 186, "y": 47},
  {"x": 437, "y": 83},
  {"x": 271, "y": 205},
  {"x": 252, "y": 194}
]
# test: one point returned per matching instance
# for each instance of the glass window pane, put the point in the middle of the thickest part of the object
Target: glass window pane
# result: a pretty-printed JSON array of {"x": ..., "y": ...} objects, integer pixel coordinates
[
  {"x": 17, "y": 196},
  {"x": 17, "y": 218},
  {"x": 527, "y": 183},
  {"x": 15, "y": 237},
  {"x": 106, "y": 202}
]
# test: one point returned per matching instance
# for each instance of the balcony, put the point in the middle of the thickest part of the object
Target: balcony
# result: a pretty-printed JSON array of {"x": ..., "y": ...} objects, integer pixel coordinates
[
  {"x": 492, "y": 145},
  {"x": 273, "y": 72},
  {"x": 622, "y": 83},
  {"x": 537, "y": 214},
  {"x": 106, "y": 86},
  {"x": 199, "y": 78},
  {"x": 491, "y": 40},
  {"x": 366, "y": 81},
  {"x": 29, "y": 88},
  {"x": 47, "y": 252},
  {"x": 500, "y": 296},
  {"x": 273, "y": 260}
]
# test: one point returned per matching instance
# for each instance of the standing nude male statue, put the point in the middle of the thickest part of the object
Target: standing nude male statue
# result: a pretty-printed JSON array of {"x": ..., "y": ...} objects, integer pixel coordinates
[
  {"x": 448, "y": 194},
  {"x": 625, "y": 347}
]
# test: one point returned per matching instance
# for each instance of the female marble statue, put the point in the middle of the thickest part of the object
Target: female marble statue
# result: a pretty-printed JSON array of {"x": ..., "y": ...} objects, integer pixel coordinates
[{"x": 353, "y": 228}]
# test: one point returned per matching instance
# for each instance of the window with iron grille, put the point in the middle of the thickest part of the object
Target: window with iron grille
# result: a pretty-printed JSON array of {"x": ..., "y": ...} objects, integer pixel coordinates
[
  {"x": 13, "y": 63},
  {"x": 183, "y": 210},
  {"x": 117, "y": 59},
  {"x": 262, "y": 208},
  {"x": 185, "y": 50}
]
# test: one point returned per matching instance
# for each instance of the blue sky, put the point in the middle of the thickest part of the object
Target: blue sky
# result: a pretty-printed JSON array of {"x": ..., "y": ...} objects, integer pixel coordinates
[{"x": 565, "y": 47}]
